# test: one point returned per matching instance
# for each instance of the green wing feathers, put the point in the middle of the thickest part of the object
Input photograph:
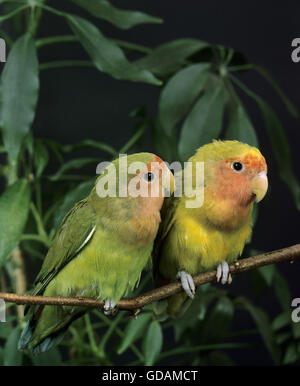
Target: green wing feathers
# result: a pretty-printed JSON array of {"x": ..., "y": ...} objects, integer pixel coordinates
[{"x": 75, "y": 232}]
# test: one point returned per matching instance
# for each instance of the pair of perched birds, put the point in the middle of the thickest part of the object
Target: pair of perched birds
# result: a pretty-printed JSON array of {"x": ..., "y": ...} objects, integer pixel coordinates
[{"x": 104, "y": 243}]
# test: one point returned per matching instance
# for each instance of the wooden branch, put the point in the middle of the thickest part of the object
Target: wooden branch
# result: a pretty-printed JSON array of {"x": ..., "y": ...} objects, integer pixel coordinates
[{"x": 285, "y": 254}]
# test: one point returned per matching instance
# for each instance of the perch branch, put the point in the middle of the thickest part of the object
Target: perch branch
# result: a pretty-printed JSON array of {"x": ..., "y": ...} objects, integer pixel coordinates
[{"x": 285, "y": 254}]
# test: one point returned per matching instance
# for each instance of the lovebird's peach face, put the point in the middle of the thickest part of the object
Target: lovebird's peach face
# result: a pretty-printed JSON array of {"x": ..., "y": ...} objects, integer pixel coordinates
[
  {"x": 153, "y": 183},
  {"x": 243, "y": 178},
  {"x": 234, "y": 185}
]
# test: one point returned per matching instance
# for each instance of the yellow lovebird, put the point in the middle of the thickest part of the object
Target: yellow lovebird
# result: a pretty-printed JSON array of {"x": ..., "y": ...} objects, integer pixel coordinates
[{"x": 192, "y": 240}]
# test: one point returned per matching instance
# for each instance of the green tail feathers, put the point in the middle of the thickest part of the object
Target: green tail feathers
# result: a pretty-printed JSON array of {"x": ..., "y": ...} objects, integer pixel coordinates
[
  {"x": 47, "y": 343},
  {"x": 38, "y": 336}
]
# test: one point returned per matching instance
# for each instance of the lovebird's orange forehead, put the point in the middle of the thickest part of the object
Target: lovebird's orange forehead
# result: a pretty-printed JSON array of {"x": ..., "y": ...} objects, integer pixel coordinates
[
  {"x": 251, "y": 160},
  {"x": 254, "y": 161},
  {"x": 154, "y": 159}
]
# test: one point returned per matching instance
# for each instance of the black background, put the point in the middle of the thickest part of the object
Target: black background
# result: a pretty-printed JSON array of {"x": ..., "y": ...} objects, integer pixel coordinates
[{"x": 81, "y": 103}]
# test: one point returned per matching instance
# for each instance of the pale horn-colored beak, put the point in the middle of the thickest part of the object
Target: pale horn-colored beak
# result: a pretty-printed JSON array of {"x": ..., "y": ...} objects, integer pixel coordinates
[{"x": 259, "y": 185}]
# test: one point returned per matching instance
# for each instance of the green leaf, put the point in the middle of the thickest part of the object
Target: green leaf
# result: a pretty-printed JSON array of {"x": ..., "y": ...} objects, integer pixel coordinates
[
  {"x": 106, "y": 55},
  {"x": 169, "y": 57},
  {"x": 76, "y": 163},
  {"x": 90, "y": 143},
  {"x": 134, "y": 331},
  {"x": 49, "y": 358},
  {"x": 240, "y": 127},
  {"x": 41, "y": 157},
  {"x": 152, "y": 343},
  {"x": 14, "y": 208},
  {"x": 12, "y": 356},
  {"x": 123, "y": 19},
  {"x": 20, "y": 85},
  {"x": 263, "y": 324},
  {"x": 179, "y": 93},
  {"x": 71, "y": 198},
  {"x": 281, "y": 320},
  {"x": 204, "y": 122},
  {"x": 291, "y": 354}
]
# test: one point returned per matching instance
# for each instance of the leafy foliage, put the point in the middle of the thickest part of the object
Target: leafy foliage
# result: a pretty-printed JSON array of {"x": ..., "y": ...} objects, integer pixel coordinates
[
  {"x": 199, "y": 100},
  {"x": 20, "y": 84}
]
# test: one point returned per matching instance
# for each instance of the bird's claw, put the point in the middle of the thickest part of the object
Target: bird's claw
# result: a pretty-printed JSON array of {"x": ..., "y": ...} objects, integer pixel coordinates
[
  {"x": 223, "y": 273},
  {"x": 187, "y": 283},
  {"x": 109, "y": 307}
]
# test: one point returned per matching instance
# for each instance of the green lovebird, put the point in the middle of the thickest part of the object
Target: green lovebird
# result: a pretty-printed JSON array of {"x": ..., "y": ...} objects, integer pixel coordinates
[{"x": 101, "y": 247}]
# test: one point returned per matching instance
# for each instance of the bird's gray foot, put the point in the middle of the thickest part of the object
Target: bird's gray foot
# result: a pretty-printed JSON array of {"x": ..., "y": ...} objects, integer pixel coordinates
[
  {"x": 187, "y": 283},
  {"x": 223, "y": 273},
  {"x": 109, "y": 307}
]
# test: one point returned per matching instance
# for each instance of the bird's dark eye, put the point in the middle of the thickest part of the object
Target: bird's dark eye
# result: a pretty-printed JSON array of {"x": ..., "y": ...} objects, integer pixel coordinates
[
  {"x": 237, "y": 166},
  {"x": 149, "y": 177}
]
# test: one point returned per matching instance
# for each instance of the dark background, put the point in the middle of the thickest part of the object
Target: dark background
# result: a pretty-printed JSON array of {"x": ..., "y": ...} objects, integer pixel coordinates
[{"x": 81, "y": 103}]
